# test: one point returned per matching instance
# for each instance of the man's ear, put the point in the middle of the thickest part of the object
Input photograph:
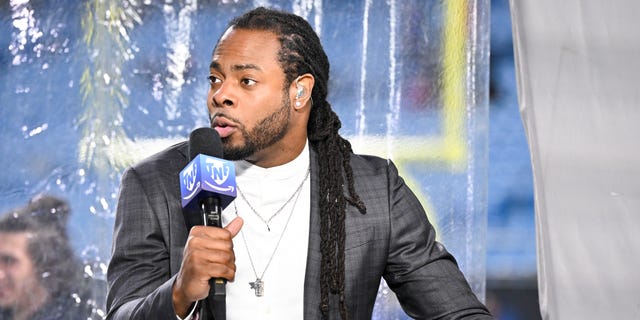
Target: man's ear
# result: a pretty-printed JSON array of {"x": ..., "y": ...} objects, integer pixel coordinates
[{"x": 300, "y": 90}]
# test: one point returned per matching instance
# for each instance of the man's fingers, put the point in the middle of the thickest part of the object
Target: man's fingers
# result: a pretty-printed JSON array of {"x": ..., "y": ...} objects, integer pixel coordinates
[
  {"x": 209, "y": 251},
  {"x": 209, "y": 269}
]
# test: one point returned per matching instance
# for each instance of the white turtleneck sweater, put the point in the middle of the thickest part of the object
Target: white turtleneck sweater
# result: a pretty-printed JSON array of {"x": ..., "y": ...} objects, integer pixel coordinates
[{"x": 267, "y": 190}]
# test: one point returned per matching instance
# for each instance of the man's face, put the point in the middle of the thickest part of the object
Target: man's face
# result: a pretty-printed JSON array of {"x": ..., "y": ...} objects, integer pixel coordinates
[
  {"x": 18, "y": 280},
  {"x": 247, "y": 101}
]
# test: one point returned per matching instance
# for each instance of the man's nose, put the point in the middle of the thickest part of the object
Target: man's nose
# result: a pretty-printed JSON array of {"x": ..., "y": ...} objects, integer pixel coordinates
[{"x": 224, "y": 96}]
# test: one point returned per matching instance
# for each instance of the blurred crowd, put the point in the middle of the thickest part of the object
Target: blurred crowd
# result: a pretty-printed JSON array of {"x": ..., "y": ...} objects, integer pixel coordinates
[{"x": 40, "y": 277}]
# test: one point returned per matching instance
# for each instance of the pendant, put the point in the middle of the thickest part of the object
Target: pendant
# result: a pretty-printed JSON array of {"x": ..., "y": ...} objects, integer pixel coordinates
[{"x": 258, "y": 286}]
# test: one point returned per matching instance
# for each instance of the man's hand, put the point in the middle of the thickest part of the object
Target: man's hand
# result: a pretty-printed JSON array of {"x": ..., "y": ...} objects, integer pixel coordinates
[{"x": 207, "y": 254}]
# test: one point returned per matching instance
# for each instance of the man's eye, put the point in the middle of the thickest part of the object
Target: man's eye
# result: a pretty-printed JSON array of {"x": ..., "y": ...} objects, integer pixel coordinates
[
  {"x": 213, "y": 79},
  {"x": 7, "y": 261},
  {"x": 248, "y": 82}
]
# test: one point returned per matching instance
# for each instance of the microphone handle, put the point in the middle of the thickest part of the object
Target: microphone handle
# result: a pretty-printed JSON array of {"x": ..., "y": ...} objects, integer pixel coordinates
[{"x": 212, "y": 216}]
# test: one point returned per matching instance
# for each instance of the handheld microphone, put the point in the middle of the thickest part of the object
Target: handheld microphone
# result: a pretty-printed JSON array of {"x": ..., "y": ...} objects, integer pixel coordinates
[
  {"x": 207, "y": 186},
  {"x": 208, "y": 182}
]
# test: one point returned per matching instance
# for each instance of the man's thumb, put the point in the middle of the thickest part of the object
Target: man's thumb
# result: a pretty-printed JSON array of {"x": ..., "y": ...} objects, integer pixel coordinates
[{"x": 234, "y": 226}]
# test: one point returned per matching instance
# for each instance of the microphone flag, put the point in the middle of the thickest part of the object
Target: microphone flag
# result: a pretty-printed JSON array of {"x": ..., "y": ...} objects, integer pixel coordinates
[{"x": 204, "y": 177}]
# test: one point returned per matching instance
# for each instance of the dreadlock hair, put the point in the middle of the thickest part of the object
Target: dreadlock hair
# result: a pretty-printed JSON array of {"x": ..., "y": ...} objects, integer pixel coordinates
[{"x": 301, "y": 52}]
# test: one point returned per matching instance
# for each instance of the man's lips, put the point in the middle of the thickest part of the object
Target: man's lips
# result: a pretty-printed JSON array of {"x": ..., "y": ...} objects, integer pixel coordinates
[{"x": 223, "y": 126}]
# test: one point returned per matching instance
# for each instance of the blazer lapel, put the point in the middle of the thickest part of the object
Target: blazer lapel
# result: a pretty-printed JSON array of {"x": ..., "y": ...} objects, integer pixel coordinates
[
  {"x": 178, "y": 231},
  {"x": 312, "y": 275}
]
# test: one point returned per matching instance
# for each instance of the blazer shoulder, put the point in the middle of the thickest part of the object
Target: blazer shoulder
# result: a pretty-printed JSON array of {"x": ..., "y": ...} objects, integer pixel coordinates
[
  {"x": 170, "y": 160},
  {"x": 369, "y": 164}
]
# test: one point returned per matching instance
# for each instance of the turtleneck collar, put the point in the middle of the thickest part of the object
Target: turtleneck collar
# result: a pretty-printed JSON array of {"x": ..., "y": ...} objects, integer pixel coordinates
[{"x": 294, "y": 168}]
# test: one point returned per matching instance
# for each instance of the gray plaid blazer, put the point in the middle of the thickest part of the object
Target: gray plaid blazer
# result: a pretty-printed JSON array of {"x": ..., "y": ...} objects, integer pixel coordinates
[{"x": 393, "y": 240}]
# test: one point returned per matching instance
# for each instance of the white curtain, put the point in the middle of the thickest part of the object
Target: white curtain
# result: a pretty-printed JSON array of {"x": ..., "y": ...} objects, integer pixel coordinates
[{"x": 578, "y": 74}]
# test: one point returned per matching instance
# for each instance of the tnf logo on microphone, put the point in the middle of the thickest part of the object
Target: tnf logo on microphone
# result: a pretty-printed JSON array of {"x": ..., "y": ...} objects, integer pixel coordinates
[
  {"x": 218, "y": 172},
  {"x": 207, "y": 176}
]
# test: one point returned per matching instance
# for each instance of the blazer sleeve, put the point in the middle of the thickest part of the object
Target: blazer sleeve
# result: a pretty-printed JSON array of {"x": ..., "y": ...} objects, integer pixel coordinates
[
  {"x": 424, "y": 276},
  {"x": 139, "y": 275}
]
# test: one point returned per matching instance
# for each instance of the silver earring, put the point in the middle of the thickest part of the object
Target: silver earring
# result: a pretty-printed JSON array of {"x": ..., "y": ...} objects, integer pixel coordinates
[
  {"x": 298, "y": 104},
  {"x": 300, "y": 92}
]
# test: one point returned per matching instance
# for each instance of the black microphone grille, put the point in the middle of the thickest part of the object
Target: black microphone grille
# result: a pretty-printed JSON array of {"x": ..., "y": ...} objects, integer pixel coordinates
[{"x": 205, "y": 141}]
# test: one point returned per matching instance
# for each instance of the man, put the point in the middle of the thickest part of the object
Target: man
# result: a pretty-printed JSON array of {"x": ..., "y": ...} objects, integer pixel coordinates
[
  {"x": 314, "y": 227},
  {"x": 39, "y": 275}
]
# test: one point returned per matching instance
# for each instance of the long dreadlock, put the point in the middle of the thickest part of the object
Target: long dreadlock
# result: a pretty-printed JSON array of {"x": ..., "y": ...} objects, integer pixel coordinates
[{"x": 301, "y": 52}]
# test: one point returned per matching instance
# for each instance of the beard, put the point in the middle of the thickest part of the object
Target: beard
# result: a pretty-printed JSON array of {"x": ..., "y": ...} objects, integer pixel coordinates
[{"x": 266, "y": 133}]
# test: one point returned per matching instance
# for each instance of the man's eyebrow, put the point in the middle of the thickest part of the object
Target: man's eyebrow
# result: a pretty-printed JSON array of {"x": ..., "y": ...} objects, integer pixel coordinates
[
  {"x": 236, "y": 67},
  {"x": 240, "y": 67},
  {"x": 214, "y": 65}
]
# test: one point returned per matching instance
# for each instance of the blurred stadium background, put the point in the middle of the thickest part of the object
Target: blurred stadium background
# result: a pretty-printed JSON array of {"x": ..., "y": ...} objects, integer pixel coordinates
[{"x": 511, "y": 240}]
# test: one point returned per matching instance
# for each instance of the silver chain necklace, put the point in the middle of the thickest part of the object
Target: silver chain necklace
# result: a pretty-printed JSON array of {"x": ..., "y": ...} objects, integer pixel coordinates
[
  {"x": 268, "y": 221},
  {"x": 258, "y": 285}
]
